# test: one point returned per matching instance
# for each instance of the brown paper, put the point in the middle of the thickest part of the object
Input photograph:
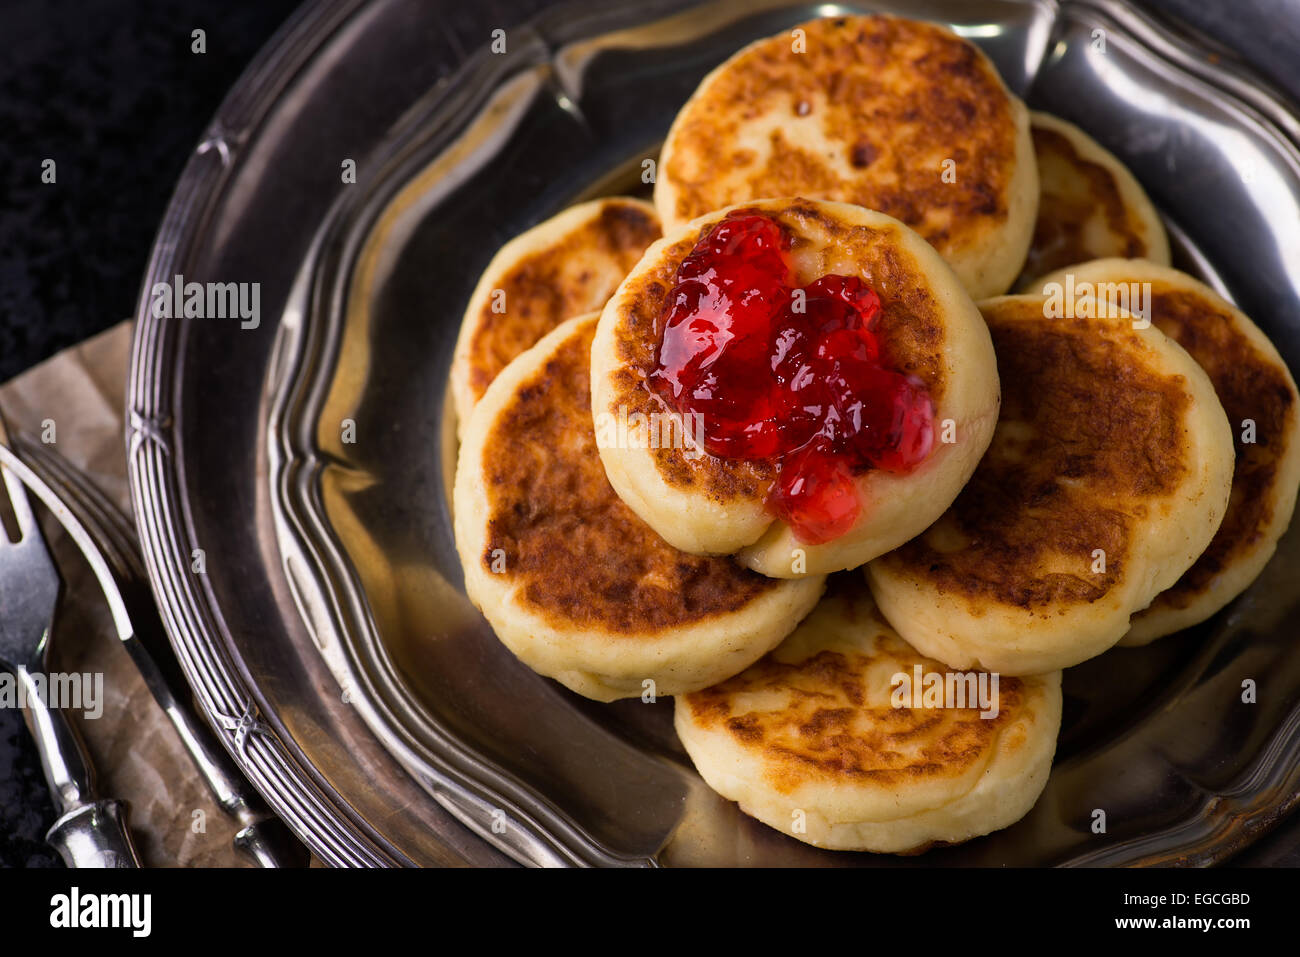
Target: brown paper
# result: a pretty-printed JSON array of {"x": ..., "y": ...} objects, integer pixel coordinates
[{"x": 77, "y": 398}]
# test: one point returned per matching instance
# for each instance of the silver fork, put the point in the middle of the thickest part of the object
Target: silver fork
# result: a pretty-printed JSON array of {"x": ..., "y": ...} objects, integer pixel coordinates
[
  {"x": 113, "y": 554},
  {"x": 89, "y": 832}
]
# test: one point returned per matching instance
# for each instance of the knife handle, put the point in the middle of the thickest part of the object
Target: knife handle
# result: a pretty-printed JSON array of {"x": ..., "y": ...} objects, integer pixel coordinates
[
  {"x": 264, "y": 838},
  {"x": 94, "y": 835}
]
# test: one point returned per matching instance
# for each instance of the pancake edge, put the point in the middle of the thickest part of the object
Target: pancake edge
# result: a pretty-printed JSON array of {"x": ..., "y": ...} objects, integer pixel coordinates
[
  {"x": 532, "y": 241},
  {"x": 1135, "y": 198},
  {"x": 982, "y": 276},
  {"x": 1242, "y": 573},
  {"x": 1006, "y": 787},
  {"x": 998, "y": 637},
  {"x": 612, "y": 668}
]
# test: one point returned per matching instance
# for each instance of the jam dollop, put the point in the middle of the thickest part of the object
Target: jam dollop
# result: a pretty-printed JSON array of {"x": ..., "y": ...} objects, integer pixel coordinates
[{"x": 791, "y": 374}]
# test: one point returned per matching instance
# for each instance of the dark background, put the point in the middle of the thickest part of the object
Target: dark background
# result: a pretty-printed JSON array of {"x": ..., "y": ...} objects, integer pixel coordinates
[{"x": 110, "y": 90}]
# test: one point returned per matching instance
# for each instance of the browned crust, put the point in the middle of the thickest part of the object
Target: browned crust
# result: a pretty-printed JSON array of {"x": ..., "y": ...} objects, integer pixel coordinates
[
  {"x": 910, "y": 331},
  {"x": 581, "y": 557},
  {"x": 1250, "y": 385},
  {"x": 1097, "y": 416},
  {"x": 1059, "y": 231},
  {"x": 828, "y": 734},
  {"x": 544, "y": 289},
  {"x": 896, "y": 127}
]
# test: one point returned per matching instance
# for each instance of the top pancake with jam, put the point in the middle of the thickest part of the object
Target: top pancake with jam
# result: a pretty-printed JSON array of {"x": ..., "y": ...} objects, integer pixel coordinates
[{"x": 927, "y": 328}]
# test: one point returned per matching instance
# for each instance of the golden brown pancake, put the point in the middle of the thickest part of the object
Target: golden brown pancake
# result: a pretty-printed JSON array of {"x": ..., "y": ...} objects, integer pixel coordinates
[
  {"x": 1089, "y": 204},
  {"x": 928, "y": 327},
  {"x": 1259, "y": 396},
  {"x": 895, "y": 115},
  {"x": 571, "y": 580},
  {"x": 569, "y": 265},
  {"x": 822, "y": 741},
  {"x": 1108, "y": 475}
]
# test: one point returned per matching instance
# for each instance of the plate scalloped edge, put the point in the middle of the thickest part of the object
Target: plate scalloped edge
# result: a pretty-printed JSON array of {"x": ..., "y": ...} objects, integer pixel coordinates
[{"x": 321, "y": 573}]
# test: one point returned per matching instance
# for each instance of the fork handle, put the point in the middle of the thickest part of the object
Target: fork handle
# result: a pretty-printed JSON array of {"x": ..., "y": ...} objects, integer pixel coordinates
[
  {"x": 89, "y": 832},
  {"x": 94, "y": 835},
  {"x": 68, "y": 770},
  {"x": 269, "y": 843}
]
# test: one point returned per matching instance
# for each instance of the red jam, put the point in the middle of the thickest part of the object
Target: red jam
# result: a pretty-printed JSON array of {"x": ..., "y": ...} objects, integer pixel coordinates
[{"x": 794, "y": 375}]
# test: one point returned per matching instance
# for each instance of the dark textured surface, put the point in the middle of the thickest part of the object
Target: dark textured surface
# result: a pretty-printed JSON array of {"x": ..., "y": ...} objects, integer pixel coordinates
[{"x": 111, "y": 91}]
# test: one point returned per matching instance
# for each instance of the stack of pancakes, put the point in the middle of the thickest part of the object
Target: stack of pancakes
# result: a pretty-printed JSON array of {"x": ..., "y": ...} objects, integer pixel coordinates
[{"x": 1119, "y": 451}]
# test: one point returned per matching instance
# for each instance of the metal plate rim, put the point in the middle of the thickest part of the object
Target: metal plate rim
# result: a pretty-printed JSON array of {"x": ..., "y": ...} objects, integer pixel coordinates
[{"x": 224, "y": 688}]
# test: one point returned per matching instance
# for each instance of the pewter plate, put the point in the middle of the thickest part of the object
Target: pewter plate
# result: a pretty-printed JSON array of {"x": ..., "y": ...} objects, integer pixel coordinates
[{"x": 311, "y": 458}]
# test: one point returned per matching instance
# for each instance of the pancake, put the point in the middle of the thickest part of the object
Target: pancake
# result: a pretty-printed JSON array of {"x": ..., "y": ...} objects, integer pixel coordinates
[
  {"x": 895, "y": 115},
  {"x": 1108, "y": 475},
  {"x": 569, "y": 265},
  {"x": 1089, "y": 204},
  {"x": 812, "y": 728},
  {"x": 928, "y": 327},
  {"x": 572, "y": 582},
  {"x": 1253, "y": 383}
]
